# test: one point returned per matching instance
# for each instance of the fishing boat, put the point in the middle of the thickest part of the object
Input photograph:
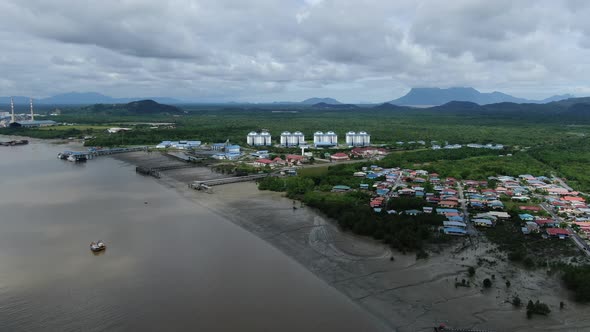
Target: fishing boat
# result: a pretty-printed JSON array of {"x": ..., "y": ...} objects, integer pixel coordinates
[{"x": 97, "y": 246}]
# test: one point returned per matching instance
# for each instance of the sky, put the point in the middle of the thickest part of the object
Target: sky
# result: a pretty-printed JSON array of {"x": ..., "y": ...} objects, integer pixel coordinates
[{"x": 289, "y": 50}]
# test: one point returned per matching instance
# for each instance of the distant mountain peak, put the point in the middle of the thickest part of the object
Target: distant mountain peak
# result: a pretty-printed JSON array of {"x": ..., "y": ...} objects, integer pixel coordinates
[
  {"x": 439, "y": 96},
  {"x": 85, "y": 98},
  {"x": 325, "y": 100}
]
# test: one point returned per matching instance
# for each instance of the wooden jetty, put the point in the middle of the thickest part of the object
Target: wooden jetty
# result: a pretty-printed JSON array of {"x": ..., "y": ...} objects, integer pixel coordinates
[
  {"x": 183, "y": 157},
  {"x": 94, "y": 152},
  {"x": 155, "y": 171},
  {"x": 147, "y": 171},
  {"x": 198, "y": 185}
]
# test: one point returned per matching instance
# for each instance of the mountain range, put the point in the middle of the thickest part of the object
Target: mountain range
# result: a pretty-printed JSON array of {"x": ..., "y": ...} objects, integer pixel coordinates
[
  {"x": 570, "y": 110},
  {"x": 416, "y": 97},
  {"x": 84, "y": 98},
  {"x": 438, "y": 96}
]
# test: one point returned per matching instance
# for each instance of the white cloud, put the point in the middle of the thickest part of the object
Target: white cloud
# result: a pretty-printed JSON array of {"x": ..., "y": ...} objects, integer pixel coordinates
[{"x": 279, "y": 50}]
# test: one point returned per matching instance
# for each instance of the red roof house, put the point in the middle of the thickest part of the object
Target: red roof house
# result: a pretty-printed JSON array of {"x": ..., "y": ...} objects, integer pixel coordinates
[
  {"x": 262, "y": 162},
  {"x": 530, "y": 208},
  {"x": 293, "y": 158},
  {"x": 449, "y": 204},
  {"x": 557, "y": 232},
  {"x": 339, "y": 156},
  {"x": 573, "y": 199}
]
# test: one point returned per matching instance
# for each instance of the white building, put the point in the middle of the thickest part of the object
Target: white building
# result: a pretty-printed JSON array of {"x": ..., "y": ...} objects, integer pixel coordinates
[
  {"x": 292, "y": 139},
  {"x": 358, "y": 139},
  {"x": 259, "y": 139},
  {"x": 325, "y": 139},
  {"x": 116, "y": 130}
]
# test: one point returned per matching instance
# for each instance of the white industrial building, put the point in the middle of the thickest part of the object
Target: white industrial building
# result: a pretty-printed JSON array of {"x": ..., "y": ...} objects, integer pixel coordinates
[
  {"x": 181, "y": 145},
  {"x": 259, "y": 139},
  {"x": 292, "y": 139},
  {"x": 321, "y": 139},
  {"x": 358, "y": 139}
]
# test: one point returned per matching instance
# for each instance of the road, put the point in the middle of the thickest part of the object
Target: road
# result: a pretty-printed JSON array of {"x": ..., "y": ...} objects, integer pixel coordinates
[
  {"x": 471, "y": 230},
  {"x": 563, "y": 184},
  {"x": 581, "y": 243}
]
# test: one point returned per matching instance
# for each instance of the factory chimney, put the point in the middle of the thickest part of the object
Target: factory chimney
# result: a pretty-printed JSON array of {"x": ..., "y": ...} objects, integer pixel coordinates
[
  {"x": 12, "y": 109},
  {"x": 32, "y": 113}
]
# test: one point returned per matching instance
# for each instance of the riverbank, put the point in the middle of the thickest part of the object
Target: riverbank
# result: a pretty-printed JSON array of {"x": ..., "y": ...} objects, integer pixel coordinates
[{"x": 407, "y": 294}]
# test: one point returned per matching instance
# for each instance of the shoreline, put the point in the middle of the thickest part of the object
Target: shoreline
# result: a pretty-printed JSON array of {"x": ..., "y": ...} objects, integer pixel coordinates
[{"x": 406, "y": 294}]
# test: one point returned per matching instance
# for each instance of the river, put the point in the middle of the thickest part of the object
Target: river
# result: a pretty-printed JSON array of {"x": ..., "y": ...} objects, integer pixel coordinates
[{"x": 169, "y": 265}]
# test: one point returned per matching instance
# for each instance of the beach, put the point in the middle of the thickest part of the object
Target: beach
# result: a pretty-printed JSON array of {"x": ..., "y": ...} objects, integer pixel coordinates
[{"x": 406, "y": 294}]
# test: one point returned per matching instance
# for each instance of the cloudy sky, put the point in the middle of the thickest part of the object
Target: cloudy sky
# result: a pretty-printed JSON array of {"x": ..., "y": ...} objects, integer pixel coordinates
[{"x": 270, "y": 50}]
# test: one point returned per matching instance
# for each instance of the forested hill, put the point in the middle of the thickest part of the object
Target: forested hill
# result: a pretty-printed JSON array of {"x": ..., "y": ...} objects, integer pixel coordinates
[
  {"x": 438, "y": 96},
  {"x": 565, "y": 111},
  {"x": 141, "y": 107}
]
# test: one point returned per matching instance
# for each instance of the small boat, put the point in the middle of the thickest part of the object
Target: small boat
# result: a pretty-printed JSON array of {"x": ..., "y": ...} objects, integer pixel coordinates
[
  {"x": 97, "y": 246},
  {"x": 63, "y": 155},
  {"x": 77, "y": 158}
]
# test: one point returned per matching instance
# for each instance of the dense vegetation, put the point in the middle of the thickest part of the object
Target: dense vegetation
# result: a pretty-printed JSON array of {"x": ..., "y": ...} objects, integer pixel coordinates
[
  {"x": 352, "y": 212},
  {"x": 576, "y": 279},
  {"x": 530, "y": 251},
  {"x": 540, "y": 144}
]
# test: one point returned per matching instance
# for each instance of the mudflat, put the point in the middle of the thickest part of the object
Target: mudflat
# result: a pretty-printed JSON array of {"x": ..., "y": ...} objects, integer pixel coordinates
[{"x": 407, "y": 294}]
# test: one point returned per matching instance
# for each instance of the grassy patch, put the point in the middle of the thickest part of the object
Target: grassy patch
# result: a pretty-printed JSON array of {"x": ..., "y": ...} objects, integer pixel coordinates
[{"x": 313, "y": 171}]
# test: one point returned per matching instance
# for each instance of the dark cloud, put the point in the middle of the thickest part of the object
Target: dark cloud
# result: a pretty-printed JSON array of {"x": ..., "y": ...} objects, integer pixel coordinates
[{"x": 280, "y": 50}]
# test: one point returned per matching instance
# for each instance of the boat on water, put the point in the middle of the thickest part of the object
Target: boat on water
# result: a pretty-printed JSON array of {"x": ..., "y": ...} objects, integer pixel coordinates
[
  {"x": 77, "y": 157},
  {"x": 13, "y": 143},
  {"x": 63, "y": 155},
  {"x": 97, "y": 246}
]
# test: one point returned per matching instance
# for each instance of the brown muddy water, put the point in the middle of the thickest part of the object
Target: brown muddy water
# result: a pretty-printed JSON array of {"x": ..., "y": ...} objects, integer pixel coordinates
[{"x": 169, "y": 264}]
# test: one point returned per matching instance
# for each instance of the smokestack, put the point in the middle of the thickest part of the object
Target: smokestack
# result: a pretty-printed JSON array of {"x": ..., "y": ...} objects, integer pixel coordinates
[
  {"x": 32, "y": 114},
  {"x": 12, "y": 109}
]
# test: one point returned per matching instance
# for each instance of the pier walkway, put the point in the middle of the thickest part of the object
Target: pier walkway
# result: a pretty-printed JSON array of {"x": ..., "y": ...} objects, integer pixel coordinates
[
  {"x": 155, "y": 171},
  {"x": 94, "y": 152},
  {"x": 218, "y": 182}
]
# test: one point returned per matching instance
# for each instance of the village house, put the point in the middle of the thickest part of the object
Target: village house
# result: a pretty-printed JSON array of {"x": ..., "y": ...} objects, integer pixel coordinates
[
  {"x": 448, "y": 204},
  {"x": 557, "y": 233},
  {"x": 294, "y": 159},
  {"x": 262, "y": 162},
  {"x": 530, "y": 227},
  {"x": 530, "y": 208},
  {"x": 366, "y": 152},
  {"x": 483, "y": 222},
  {"x": 279, "y": 162},
  {"x": 339, "y": 156},
  {"x": 544, "y": 223},
  {"x": 340, "y": 188},
  {"x": 412, "y": 212},
  {"x": 448, "y": 223},
  {"x": 454, "y": 231}
]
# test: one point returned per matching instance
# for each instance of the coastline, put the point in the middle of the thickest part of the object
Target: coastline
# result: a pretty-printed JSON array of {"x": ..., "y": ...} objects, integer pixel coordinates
[{"x": 406, "y": 294}]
